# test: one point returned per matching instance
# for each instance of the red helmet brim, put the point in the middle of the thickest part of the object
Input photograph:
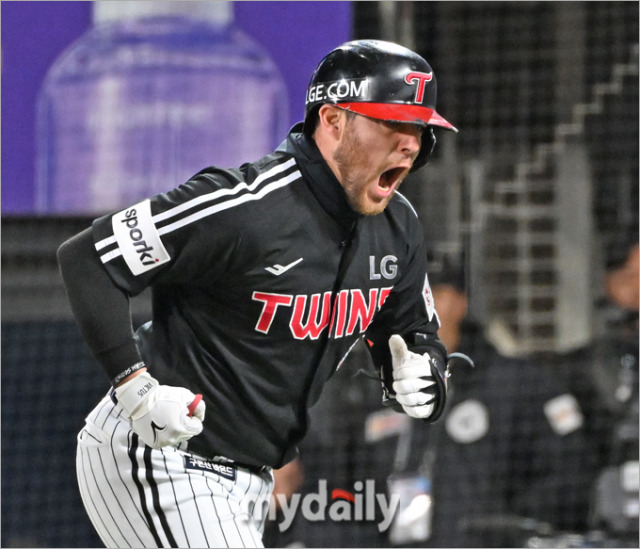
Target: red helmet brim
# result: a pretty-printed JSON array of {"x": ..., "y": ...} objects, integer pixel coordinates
[{"x": 398, "y": 112}]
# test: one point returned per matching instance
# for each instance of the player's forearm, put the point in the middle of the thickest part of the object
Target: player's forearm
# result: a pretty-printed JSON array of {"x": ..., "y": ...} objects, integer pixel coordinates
[{"x": 99, "y": 306}]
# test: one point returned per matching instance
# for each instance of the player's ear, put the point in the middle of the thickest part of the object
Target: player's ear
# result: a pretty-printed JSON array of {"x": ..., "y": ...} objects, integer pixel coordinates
[{"x": 331, "y": 119}]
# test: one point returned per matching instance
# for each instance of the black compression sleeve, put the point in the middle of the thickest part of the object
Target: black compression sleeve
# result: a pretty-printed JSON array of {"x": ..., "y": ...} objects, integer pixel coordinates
[{"x": 101, "y": 308}]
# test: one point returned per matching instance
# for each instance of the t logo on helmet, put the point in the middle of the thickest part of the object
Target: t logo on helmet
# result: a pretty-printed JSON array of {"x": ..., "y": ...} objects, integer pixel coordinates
[{"x": 422, "y": 78}]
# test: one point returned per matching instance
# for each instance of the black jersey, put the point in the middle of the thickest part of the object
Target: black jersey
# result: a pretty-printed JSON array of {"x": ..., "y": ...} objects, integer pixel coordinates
[{"x": 263, "y": 278}]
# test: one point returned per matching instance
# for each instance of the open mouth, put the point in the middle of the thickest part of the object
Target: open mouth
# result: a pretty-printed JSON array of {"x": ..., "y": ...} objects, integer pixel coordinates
[{"x": 391, "y": 178}]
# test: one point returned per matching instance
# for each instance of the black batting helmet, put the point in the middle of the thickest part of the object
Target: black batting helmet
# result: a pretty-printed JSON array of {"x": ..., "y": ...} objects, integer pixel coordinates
[{"x": 380, "y": 80}]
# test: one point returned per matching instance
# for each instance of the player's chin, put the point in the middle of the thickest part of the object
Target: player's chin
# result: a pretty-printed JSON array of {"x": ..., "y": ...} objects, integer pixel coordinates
[{"x": 366, "y": 205}]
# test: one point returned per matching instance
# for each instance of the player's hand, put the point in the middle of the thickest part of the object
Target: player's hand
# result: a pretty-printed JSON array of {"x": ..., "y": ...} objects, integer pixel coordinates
[
  {"x": 160, "y": 415},
  {"x": 414, "y": 382}
]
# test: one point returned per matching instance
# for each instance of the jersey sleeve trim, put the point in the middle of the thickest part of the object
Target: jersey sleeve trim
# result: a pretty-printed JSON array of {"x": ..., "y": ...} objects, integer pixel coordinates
[{"x": 206, "y": 205}]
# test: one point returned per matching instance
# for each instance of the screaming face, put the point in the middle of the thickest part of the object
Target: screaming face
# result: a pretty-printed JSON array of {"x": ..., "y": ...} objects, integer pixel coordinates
[{"x": 373, "y": 157}]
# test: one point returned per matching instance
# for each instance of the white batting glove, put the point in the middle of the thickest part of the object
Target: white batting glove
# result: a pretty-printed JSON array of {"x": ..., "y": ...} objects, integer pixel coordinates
[
  {"x": 160, "y": 415},
  {"x": 414, "y": 384}
]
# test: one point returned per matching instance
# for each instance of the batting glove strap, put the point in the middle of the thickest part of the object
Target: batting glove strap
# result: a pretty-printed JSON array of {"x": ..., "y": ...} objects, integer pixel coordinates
[
  {"x": 159, "y": 414},
  {"x": 134, "y": 394},
  {"x": 440, "y": 374}
]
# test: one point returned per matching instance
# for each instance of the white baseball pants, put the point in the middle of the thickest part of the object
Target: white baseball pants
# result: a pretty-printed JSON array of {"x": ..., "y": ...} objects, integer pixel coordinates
[{"x": 136, "y": 496}]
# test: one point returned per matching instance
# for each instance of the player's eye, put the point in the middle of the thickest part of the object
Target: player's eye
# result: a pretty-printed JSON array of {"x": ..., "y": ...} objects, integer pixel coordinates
[{"x": 404, "y": 127}]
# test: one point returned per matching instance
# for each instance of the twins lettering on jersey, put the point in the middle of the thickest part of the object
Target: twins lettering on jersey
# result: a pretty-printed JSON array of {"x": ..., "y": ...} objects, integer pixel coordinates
[
  {"x": 309, "y": 314},
  {"x": 352, "y": 310}
]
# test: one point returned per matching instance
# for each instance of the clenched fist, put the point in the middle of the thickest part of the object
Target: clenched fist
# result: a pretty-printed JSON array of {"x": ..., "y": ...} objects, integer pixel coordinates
[{"x": 161, "y": 415}]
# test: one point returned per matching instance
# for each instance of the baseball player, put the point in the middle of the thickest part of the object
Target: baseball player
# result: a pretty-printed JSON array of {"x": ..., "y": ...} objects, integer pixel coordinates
[{"x": 263, "y": 278}]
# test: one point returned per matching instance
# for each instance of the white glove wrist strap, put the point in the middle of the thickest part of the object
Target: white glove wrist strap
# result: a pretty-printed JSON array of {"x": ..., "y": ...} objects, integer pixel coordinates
[{"x": 132, "y": 394}]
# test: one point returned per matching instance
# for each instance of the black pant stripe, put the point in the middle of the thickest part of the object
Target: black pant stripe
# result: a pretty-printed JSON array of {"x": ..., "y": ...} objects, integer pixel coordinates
[
  {"x": 155, "y": 495},
  {"x": 117, "y": 467},
  {"x": 143, "y": 499}
]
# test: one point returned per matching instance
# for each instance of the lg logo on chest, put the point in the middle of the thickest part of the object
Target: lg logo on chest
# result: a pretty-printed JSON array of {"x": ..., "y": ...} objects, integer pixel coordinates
[{"x": 387, "y": 268}]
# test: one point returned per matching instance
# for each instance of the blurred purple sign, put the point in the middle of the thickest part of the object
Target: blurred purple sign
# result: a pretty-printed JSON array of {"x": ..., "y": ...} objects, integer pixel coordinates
[{"x": 100, "y": 110}]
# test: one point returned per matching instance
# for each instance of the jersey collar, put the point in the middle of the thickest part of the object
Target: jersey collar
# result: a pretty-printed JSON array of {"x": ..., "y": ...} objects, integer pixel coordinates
[{"x": 321, "y": 180}]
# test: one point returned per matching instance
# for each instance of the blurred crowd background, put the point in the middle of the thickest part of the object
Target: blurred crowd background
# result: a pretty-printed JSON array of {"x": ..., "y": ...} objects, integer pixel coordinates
[{"x": 530, "y": 212}]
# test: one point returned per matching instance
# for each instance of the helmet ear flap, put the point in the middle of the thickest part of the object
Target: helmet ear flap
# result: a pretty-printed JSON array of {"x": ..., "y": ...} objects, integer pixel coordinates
[{"x": 428, "y": 145}]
